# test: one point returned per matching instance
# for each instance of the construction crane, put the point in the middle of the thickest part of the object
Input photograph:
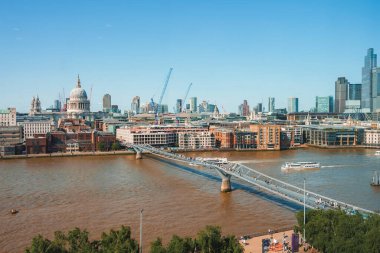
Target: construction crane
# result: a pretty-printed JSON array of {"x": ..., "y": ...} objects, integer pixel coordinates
[
  {"x": 184, "y": 99},
  {"x": 157, "y": 107}
]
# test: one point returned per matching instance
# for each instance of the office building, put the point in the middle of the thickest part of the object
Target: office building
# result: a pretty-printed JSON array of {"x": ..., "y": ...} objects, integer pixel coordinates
[
  {"x": 259, "y": 107},
  {"x": 196, "y": 140},
  {"x": 8, "y": 117},
  {"x": 178, "y": 106},
  {"x": 341, "y": 86},
  {"x": 376, "y": 90},
  {"x": 33, "y": 128},
  {"x": 10, "y": 135},
  {"x": 292, "y": 104},
  {"x": 115, "y": 109},
  {"x": 57, "y": 105},
  {"x": 107, "y": 103},
  {"x": 244, "y": 109},
  {"x": 193, "y": 104},
  {"x": 324, "y": 104},
  {"x": 372, "y": 137},
  {"x": 135, "y": 105},
  {"x": 271, "y": 104},
  {"x": 354, "y": 91},
  {"x": 370, "y": 62}
]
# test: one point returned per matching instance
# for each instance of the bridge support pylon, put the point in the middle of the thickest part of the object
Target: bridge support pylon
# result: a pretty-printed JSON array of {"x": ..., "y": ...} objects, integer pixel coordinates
[
  {"x": 138, "y": 154},
  {"x": 226, "y": 184},
  {"x": 226, "y": 181}
]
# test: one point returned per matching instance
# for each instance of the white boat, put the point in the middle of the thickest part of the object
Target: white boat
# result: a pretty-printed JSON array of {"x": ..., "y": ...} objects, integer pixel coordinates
[
  {"x": 375, "y": 179},
  {"x": 377, "y": 152},
  {"x": 217, "y": 160},
  {"x": 300, "y": 165}
]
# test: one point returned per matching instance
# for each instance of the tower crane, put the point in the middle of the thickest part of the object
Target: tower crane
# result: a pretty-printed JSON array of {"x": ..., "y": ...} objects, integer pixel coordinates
[
  {"x": 157, "y": 107},
  {"x": 184, "y": 99}
]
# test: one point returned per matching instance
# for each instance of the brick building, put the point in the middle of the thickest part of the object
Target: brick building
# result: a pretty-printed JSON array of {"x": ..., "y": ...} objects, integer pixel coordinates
[{"x": 268, "y": 136}]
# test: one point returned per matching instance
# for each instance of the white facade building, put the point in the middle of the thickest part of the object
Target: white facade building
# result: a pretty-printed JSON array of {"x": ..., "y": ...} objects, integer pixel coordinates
[
  {"x": 8, "y": 117},
  {"x": 127, "y": 136},
  {"x": 372, "y": 137},
  {"x": 36, "y": 127},
  {"x": 196, "y": 140}
]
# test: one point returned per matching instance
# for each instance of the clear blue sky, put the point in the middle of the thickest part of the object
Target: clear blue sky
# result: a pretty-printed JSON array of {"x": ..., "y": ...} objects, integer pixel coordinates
[{"x": 230, "y": 50}]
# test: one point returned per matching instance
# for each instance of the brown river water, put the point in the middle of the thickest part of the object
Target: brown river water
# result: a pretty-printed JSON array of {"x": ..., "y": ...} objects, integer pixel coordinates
[{"x": 105, "y": 192}]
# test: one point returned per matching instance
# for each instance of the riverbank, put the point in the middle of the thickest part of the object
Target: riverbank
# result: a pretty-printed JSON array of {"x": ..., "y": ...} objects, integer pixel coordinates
[
  {"x": 70, "y": 154},
  {"x": 130, "y": 152}
]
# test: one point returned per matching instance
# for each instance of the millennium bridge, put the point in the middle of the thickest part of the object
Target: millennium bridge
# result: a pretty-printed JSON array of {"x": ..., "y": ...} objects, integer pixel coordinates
[{"x": 264, "y": 182}]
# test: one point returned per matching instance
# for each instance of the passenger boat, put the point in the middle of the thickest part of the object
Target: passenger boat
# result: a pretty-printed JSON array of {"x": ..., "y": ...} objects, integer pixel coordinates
[
  {"x": 300, "y": 165},
  {"x": 377, "y": 152},
  {"x": 217, "y": 160},
  {"x": 375, "y": 179}
]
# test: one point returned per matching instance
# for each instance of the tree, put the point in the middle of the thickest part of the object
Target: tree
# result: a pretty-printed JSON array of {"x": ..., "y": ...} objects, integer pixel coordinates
[
  {"x": 157, "y": 247},
  {"x": 101, "y": 146},
  {"x": 180, "y": 245},
  {"x": 119, "y": 241},
  {"x": 115, "y": 145},
  {"x": 336, "y": 231}
]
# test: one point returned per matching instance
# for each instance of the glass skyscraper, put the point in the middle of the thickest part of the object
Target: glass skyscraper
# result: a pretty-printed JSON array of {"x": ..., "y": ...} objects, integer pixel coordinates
[
  {"x": 370, "y": 62},
  {"x": 341, "y": 86},
  {"x": 354, "y": 91},
  {"x": 376, "y": 90},
  {"x": 271, "y": 104},
  {"x": 324, "y": 104},
  {"x": 292, "y": 104},
  {"x": 178, "y": 106},
  {"x": 193, "y": 104}
]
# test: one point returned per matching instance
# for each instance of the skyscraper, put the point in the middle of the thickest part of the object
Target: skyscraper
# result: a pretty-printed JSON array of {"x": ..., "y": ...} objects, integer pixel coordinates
[
  {"x": 271, "y": 104},
  {"x": 370, "y": 62},
  {"x": 193, "y": 104},
  {"x": 292, "y": 104},
  {"x": 354, "y": 91},
  {"x": 244, "y": 108},
  {"x": 178, "y": 106},
  {"x": 341, "y": 86},
  {"x": 135, "y": 105},
  {"x": 107, "y": 103},
  {"x": 259, "y": 107},
  {"x": 324, "y": 104},
  {"x": 376, "y": 90}
]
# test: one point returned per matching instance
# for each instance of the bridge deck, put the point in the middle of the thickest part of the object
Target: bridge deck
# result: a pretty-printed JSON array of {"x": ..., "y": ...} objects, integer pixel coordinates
[{"x": 264, "y": 182}]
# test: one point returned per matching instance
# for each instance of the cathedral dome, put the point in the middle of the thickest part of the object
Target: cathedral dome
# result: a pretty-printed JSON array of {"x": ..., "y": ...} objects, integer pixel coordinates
[
  {"x": 78, "y": 102},
  {"x": 78, "y": 93}
]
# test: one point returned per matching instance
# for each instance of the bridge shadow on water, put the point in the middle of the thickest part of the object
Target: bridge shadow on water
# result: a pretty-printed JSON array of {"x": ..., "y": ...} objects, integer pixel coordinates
[{"x": 237, "y": 186}]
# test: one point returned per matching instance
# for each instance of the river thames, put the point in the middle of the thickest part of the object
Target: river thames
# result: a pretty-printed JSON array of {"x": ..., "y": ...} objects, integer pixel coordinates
[{"x": 104, "y": 192}]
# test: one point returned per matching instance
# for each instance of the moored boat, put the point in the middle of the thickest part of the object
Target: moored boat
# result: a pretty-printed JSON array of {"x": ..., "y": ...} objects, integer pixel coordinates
[{"x": 377, "y": 152}]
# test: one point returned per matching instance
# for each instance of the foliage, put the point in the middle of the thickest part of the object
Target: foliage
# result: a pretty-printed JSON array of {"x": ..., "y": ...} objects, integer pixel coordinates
[
  {"x": 115, "y": 145},
  {"x": 77, "y": 241},
  {"x": 101, "y": 146},
  {"x": 336, "y": 231},
  {"x": 208, "y": 240}
]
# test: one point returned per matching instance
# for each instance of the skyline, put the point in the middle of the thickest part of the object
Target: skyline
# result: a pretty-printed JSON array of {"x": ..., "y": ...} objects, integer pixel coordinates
[{"x": 235, "y": 50}]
